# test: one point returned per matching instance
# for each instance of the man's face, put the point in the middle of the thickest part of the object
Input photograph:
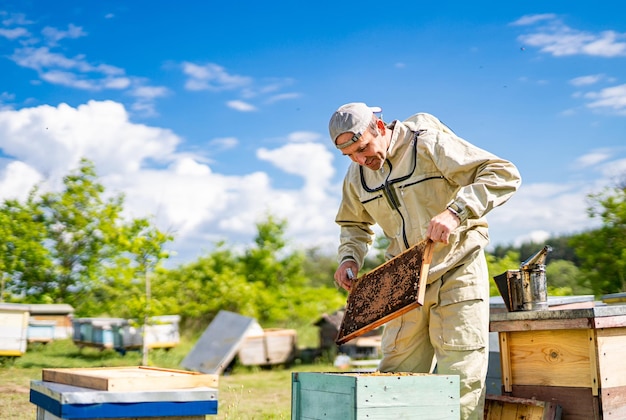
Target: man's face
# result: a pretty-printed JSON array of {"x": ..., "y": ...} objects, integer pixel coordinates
[{"x": 370, "y": 151}]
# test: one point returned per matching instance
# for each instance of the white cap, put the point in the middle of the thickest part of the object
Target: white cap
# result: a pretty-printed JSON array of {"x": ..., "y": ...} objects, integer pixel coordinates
[{"x": 351, "y": 118}]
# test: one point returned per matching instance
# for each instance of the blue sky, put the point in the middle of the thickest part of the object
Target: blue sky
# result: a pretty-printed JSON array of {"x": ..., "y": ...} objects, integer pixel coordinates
[{"x": 208, "y": 116}]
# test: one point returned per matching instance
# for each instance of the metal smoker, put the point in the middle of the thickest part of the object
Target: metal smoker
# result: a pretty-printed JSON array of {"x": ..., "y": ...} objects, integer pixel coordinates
[{"x": 526, "y": 289}]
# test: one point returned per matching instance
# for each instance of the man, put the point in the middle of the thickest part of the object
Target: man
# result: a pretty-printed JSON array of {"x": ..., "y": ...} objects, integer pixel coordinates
[{"x": 417, "y": 179}]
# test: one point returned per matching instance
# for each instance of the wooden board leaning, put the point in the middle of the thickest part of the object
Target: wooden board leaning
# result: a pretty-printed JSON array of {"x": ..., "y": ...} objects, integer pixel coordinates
[{"x": 387, "y": 292}]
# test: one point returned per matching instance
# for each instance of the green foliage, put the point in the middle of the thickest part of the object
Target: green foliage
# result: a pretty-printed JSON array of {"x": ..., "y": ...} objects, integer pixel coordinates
[
  {"x": 74, "y": 247},
  {"x": 497, "y": 266},
  {"x": 22, "y": 253},
  {"x": 603, "y": 251},
  {"x": 81, "y": 234},
  {"x": 561, "y": 249},
  {"x": 564, "y": 279},
  {"x": 319, "y": 267},
  {"x": 267, "y": 282}
]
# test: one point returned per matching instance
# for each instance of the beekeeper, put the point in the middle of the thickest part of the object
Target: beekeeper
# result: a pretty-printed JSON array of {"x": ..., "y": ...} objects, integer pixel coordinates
[{"x": 416, "y": 179}]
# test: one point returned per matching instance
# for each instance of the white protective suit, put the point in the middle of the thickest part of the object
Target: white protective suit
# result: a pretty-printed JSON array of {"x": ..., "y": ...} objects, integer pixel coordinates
[{"x": 429, "y": 168}]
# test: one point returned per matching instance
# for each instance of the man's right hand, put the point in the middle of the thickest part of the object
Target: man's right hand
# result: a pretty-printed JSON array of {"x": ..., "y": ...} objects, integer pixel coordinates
[{"x": 343, "y": 278}]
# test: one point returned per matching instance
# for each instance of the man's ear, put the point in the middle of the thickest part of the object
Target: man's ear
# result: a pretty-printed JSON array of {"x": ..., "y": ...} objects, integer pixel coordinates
[{"x": 380, "y": 124}]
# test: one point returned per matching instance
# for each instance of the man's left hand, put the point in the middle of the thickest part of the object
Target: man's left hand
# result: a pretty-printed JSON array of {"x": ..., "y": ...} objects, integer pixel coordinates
[{"x": 441, "y": 226}]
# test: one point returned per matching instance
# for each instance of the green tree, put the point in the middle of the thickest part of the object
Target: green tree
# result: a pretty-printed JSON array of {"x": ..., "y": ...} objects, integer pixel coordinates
[
  {"x": 564, "y": 279},
  {"x": 602, "y": 252},
  {"x": 74, "y": 247},
  {"x": 499, "y": 265},
  {"x": 24, "y": 259},
  {"x": 82, "y": 234},
  {"x": 198, "y": 290},
  {"x": 125, "y": 288},
  {"x": 267, "y": 282},
  {"x": 319, "y": 267}
]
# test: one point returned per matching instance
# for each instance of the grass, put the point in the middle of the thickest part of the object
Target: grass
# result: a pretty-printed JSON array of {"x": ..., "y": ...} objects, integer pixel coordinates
[{"x": 244, "y": 393}]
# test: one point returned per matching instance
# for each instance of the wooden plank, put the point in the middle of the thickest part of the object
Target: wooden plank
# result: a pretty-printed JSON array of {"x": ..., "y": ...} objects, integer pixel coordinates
[
  {"x": 501, "y": 407},
  {"x": 611, "y": 360},
  {"x": 540, "y": 324},
  {"x": 576, "y": 403},
  {"x": 136, "y": 378},
  {"x": 387, "y": 292},
  {"x": 220, "y": 342},
  {"x": 593, "y": 361},
  {"x": 505, "y": 360},
  {"x": 614, "y": 403},
  {"x": 551, "y": 358}
]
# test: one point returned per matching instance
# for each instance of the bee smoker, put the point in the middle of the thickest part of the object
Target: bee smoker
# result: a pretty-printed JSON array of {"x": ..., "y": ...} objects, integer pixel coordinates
[{"x": 526, "y": 289}]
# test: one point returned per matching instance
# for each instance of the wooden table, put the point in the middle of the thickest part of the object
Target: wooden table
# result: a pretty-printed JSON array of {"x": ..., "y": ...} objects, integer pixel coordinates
[{"x": 574, "y": 357}]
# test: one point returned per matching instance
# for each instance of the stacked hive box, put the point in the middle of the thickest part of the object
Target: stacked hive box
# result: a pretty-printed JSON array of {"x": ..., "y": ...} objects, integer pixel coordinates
[
  {"x": 374, "y": 396},
  {"x": 124, "y": 393},
  {"x": 570, "y": 357}
]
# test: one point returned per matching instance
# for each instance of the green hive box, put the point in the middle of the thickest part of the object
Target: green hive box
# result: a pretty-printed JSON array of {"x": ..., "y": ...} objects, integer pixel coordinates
[{"x": 355, "y": 396}]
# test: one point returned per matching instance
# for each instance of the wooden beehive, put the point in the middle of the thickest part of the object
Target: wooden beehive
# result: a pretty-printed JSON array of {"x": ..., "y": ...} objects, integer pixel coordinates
[
  {"x": 572, "y": 357},
  {"x": 387, "y": 292},
  {"x": 317, "y": 396},
  {"x": 272, "y": 346},
  {"x": 502, "y": 407},
  {"x": 131, "y": 378}
]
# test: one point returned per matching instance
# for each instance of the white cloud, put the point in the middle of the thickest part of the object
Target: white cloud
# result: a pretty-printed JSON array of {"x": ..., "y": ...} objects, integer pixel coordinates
[
  {"x": 183, "y": 195},
  {"x": 15, "y": 19},
  {"x": 593, "y": 158},
  {"x": 14, "y": 33},
  {"x": 282, "y": 97},
  {"x": 17, "y": 179},
  {"x": 54, "y": 139},
  {"x": 188, "y": 198},
  {"x": 211, "y": 77},
  {"x": 558, "y": 39},
  {"x": 554, "y": 208},
  {"x": 54, "y": 35},
  {"x": 613, "y": 98},
  {"x": 241, "y": 106},
  {"x": 615, "y": 170},
  {"x": 224, "y": 143},
  {"x": 586, "y": 80},
  {"x": 77, "y": 72},
  {"x": 532, "y": 19},
  {"x": 303, "y": 136}
]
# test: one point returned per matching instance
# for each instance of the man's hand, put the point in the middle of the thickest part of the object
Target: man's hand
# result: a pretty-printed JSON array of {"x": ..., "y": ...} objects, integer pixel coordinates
[
  {"x": 441, "y": 226},
  {"x": 344, "y": 275}
]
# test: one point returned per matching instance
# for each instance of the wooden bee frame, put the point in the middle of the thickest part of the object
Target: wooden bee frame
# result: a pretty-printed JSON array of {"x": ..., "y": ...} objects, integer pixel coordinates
[{"x": 387, "y": 292}]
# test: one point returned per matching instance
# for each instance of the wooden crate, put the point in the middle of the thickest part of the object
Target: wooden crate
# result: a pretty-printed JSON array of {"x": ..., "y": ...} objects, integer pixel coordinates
[
  {"x": 374, "y": 396},
  {"x": 129, "y": 378},
  {"x": 387, "y": 292},
  {"x": 272, "y": 346},
  {"x": 570, "y": 357},
  {"x": 498, "y": 407}
]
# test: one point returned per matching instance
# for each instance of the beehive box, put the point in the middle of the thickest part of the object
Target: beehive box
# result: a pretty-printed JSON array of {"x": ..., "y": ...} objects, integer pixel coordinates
[
  {"x": 374, "y": 396},
  {"x": 500, "y": 407},
  {"x": 572, "y": 357},
  {"x": 272, "y": 346},
  {"x": 129, "y": 378},
  {"x": 13, "y": 329},
  {"x": 41, "y": 331}
]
